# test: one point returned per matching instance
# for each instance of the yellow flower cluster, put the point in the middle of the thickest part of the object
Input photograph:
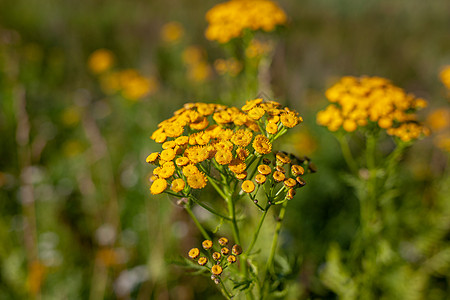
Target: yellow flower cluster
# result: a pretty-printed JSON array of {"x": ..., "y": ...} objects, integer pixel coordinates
[
  {"x": 219, "y": 260},
  {"x": 439, "y": 123},
  {"x": 357, "y": 102},
  {"x": 200, "y": 136},
  {"x": 129, "y": 82},
  {"x": 445, "y": 76},
  {"x": 194, "y": 59},
  {"x": 228, "y": 20},
  {"x": 257, "y": 49}
]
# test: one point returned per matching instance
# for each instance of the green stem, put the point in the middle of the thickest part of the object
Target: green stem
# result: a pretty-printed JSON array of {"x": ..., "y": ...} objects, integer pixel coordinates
[
  {"x": 256, "y": 234},
  {"x": 225, "y": 291},
  {"x": 347, "y": 154},
  {"x": 269, "y": 265},
  {"x": 232, "y": 216},
  {"x": 197, "y": 223},
  {"x": 209, "y": 208}
]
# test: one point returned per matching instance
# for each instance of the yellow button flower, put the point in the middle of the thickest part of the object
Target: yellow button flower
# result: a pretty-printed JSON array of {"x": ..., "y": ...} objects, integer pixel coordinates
[{"x": 158, "y": 186}]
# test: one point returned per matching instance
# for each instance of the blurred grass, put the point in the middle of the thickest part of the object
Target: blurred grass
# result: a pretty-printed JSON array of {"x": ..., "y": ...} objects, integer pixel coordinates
[{"x": 82, "y": 160}]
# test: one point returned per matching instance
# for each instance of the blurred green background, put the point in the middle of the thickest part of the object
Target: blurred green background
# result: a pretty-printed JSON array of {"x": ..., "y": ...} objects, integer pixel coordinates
[{"x": 77, "y": 219}]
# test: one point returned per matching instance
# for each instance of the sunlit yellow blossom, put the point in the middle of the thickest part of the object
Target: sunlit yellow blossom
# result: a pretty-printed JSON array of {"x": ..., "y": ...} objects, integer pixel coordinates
[
  {"x": 290, "y": 194},
  {"x": 231, "y": 259},
  {"x": 237, "y": 166},
  {"x": 152, "y": 157},
  {"x": 445, "y": 76},
  {"x": 262, "y": 145},
  {"x": 237, "y": 250},
  {"x": 190, "y": 170},
  {"x": 264, "y": 169},
  {"x": 248, "y": 186},
  {"x": 182, "y": 140},
  {"x": 282, "y": 157},
  {"x": 227, "y": 20},
  {"x": 223, "y": 157},
  {"x": 223, "y": 241},
  {"x": 216, "y": 256},
  {"x": 100, "y": 61},
  {"x": 297, "y": 170},
  {"x": 242, "y": 137},
  {"x": 242, "y": 153},
  {"x": 289, "y": 119},
  {"x": 290, "y": 182},
  {"x": 241, "y": 176},
  {"x": 202, "y": 261},
  {"x": 278, "y": 176},
  {"x": 158, "y": 186},
  {"x": 197, "y": 180},
  {"x": 207, "y": 244},
  {"x": 168, "y": 154},
  {"x": 225, "y": 251},
  {"x": 251, "y": 104},
  {"x": 182, "y": 161},
  {"x": 177, "y": 185},
  {"x": 439, "y": 119},
  {"x": 260, "y": 179},
  {"x": 194, "y": 253},
  {"x": 172, "y": 32},
  {"x": 216, "y": 270},
  {"x": 196, "y": 154},
  {"x": 168, "y": 144},
  {"x": 356, "y": 102},
  {"x": 255, "y": 113},
  {"x": 167, "y": 170},
  {"x": 272, "y": 128}
]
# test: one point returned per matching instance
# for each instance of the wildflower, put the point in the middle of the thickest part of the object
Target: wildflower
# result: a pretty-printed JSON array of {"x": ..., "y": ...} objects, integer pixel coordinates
[
  {"x": 242, "y": 153},
  {"x": 228, "y": 20},
  {"x": 264, "y": 169},
  {"x": 248, "y": 186},
  {"x": 172, "y": 32},
  {"x": 152, "y": 157},
  {"x": 260, "y": 179},
  {"x": 169, "y": 145},
  {"x": 231, "y": 259},
  {"x": 223, "y": 157},
  {"x": 242, "y": 137},
  {"x": 237, "y": 166},
  {"x": 197, "y": 181},
  {"x": 241, "y": 176},
  {"x": 216, "y": 270},
  {"x": 225, "y": 251},
  {"x": 194, "y": 253},
  {"x": 167, "y": 170},
  {"x": 178, "y": 185},
  {"x": 190, "y": 170},
  {"x": 283, "y": 158},
  {"x": 182, "y": 161},
  {"x": 181, "y": 140},
  {"x": 297, "y": 170},
  {"x": 256, "y": 113},
  {"x": 290, "y": 194},
  {"x": 223, "y": 241},
  {"x": 300, "y": 181},
  {"x": 272, "y": 128},
  {"x": 207, "y": 244},
  {"x": 289, "y": 119},
  {"x": 216, "y": 256},
  {"x": 100, "y": 61},
  {"x": 158, "y": 186},
  {"x": 168, "y": 154},
  {"x": 357, "y": 102},
  {"x": 278, "y": 176},
  {"x": 445, "y": 76},
  {"x": 236, "y": 250},
  {"x": 290, "y": 182},
  {"x": 202, "y": 261},
  {"x": 262, "y": 145}
]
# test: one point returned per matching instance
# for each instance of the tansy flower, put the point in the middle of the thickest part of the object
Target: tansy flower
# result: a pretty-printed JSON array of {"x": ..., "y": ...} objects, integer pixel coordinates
[
  {"x": 158, "y": 186},
  {"x": 194, "y": 253},
  {"x": 248, "y": 186},
  {"x": 283, "y": 158},
  {"x": 207, "y": 244},
  {"x": 264, "y": 169},
  {"x": 237, "y": 250},
  {"x": 278, "y": 176},
  {"x": 167, "y": 170},
  {"x": 242, "y": 137},
  {"x": 216, "y": 270},
  {"x": 225, "y": 251},
  {"x": 445, "y": 76},
  {"x": 262, "y": 145},
  {"x": 290, "y": 194},
  {"x": 152, "y": 157},
  {"x": 231, "y": 259},
  {"x": 197, "y": 181},
  {"x": 237, "y": 166},
  {"x": 297, "y": 170},
  {"x": 190, "y": 170},
  {"x": 241, "y": 176},
  {"x": 223, "y": 241},
  {"x": 300, "y": 181},
  {"x": 260, "y": 179},
  {"x": 223, "y": 157},
  {"x": 289, "y": 119},
  {"x": 272, "y": 128},
  {"x": 178, "y": 185},
  {"x": 290, "y": 182},
  {"x": 251, "y": 104},
  {"x": 202, "y": 261},
  {"x": 100, "y": 61},
  {"x": 168, "y": 154},
  {"x": 168, "y": 144},
  {"x": 182, "y": 161},
  {"x": 182, "y": 140},
  {"x": 242, "y": 153},
  {"x": 172, "y": 32},
  {"x": 256, "y": 113},
  {"x": 216, "y": 256}
]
